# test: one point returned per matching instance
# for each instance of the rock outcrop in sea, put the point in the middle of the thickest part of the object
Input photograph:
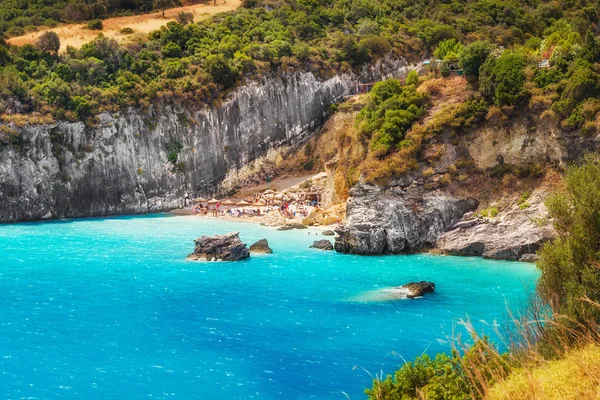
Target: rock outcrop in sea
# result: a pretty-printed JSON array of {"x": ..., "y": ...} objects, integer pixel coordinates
[
  {"x": 261, "y": 247},
  {"x": 397, "y": 220},
  {"x": 418, "y": 289},
  {"x": 226, "y": 247},
  {"x": 322, "y": 244},
  {"x": 517, "y": 233}
]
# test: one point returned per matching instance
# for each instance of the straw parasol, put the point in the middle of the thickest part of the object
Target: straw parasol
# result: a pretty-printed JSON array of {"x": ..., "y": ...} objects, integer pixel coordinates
[
  {"x": 228, "y": 202},
  {"x": 200, "y": 200},
  {"x": 243, "y": 203},
  {"x": 213, "y": 201}
]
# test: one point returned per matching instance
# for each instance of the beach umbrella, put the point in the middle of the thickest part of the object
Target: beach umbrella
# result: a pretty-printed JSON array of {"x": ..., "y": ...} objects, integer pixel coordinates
[
  {"x": 213, "y": 201},
  {"x": 243, "y": 203},
  {"x": 228, "y": 202},
  {"x": 200, "y": 200}
]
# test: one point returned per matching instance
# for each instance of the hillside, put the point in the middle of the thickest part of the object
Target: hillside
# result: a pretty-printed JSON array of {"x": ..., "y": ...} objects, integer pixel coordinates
[{"x": 77, "y": 35}]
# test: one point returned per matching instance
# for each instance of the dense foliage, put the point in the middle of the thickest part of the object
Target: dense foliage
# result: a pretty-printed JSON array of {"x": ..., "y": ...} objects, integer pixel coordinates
[
  {"x": 453, "y": 377},
  {"x": 389, "y": 113},
  {"x": 569, "y": 264},
  {"x": 192, "y": 63}
]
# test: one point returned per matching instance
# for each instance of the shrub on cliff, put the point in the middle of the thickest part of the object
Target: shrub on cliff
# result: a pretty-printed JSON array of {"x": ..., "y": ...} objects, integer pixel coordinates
[
  {"x": 502, "y": 79},
  {"x": 569, "y": 264},
  {"x": 390, "y": 112}
]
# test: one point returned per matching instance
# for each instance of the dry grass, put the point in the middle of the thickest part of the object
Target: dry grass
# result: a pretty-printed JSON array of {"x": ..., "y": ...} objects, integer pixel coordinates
[
  {"x": 552, "y": 357},
  {"x": 76, "y": 35},
  {"x": 575, "y": 377}
]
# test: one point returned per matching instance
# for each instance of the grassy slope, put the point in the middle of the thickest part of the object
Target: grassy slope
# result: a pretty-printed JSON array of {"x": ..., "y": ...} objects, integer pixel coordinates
[
  {"x": 76, "y": 35},
  {"x": 577, "y": 376}
]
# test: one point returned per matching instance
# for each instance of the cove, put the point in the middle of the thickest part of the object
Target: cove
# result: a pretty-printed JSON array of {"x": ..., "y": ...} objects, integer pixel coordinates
[{"x": 109, "y": 308}]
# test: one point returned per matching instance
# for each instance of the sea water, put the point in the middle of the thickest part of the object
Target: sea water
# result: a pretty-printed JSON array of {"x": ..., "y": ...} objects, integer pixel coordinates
[{"x": 110, "y": 309}]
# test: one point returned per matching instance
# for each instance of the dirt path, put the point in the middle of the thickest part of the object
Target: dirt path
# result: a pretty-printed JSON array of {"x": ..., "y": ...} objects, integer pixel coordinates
[{"x": 76, "y": 35}]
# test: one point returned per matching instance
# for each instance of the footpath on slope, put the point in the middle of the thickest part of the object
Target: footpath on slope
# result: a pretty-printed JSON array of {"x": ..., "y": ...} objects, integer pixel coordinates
[{"x": 77, "y": 35}]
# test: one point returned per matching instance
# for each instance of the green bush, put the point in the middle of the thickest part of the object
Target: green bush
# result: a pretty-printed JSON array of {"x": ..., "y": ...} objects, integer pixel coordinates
[
  {"x": 442, "y": 378},
  {"x": 95, "y": 25},
  {"x": 502, "y": 79}
]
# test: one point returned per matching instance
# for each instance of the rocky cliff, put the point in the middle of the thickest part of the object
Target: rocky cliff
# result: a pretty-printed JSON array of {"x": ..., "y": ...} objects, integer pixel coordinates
[
  {"x": 397, "y": 220},
  {"x": 134, "y": 162}
]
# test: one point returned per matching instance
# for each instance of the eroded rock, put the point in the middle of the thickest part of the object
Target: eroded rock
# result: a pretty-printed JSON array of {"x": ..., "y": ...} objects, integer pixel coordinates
[
  {"x": 261, "y": 247},
  {"x": 322, "y": 244},
  {"x": 418, "y": 289},
  {"x": 226, "y": 247},
  {"x": 397, "y": 220},
  {"x": 515, "y": 233}
]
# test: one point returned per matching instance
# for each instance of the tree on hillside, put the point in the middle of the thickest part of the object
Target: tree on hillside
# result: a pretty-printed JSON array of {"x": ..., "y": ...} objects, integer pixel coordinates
[
  {"x": 48, "y": 42},
  {"x": 570, "y": 264},
  {"x": 162, "y": 5},
  {"x": 472, "y": 58},
  {"x": 502, "y": 79},
  {"x": 185, "y": 18}
]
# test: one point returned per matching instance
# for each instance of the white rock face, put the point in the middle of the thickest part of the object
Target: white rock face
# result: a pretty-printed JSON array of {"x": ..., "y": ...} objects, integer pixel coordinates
[{"x": 121, "y": 165}]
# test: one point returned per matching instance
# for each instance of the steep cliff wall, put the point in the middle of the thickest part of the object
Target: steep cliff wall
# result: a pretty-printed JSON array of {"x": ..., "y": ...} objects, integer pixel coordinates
[{"x": 121, "y": 166}]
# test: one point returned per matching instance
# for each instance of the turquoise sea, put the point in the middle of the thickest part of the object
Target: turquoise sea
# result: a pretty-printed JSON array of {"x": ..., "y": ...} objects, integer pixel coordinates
[{"x": 110, "y": 309}]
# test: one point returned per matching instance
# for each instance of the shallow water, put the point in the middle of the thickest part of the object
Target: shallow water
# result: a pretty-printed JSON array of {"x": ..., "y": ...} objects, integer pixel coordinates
[{"x": 109, "y": 308}]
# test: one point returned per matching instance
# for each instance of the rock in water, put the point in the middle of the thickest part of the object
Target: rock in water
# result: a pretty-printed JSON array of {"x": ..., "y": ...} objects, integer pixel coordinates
[
  {"x": 262, "y": 246},
  {"x": 328, "y": 233},
  {"x": 397, "y": 220},
  {"x": 289, "y": 227},
  {"x": 322, "y": 244},
  {"x": 417, "y": 289},
  {"x": 226, "y": 247}
]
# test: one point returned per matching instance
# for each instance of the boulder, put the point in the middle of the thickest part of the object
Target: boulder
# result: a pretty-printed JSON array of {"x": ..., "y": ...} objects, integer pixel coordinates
[
  {"x": 289, "y": 227},
  {"x": 226, "y": 247},
  {"x": 330, "y": 220},
  {"x": 513, "y": 234},
  {"x": 397, "y": 220},
  {"x": 273, "y": 218},
  {"x": 328, "y": 233},
  {"x": 262, "y": 246},
  {"x": 315, "y": 217},
  {"x": 322, "y": 244},
  {"x": 418, "y": 289}
]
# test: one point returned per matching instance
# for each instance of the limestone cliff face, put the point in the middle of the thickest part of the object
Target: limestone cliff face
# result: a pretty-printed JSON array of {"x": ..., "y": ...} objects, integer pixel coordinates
[
  {"x": 397, "y": 220},
  {"x": 122, "y": 166}
]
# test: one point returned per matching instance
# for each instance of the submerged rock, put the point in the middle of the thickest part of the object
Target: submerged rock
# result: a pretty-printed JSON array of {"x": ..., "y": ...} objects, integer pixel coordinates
[
  {"x": 328, "y": 233},
  {"x": 397, "y": 220},
  {"x": 418, "y": 289},
  {"x": 530, "y": 258},
  {"x": 226, "y": 247},
  {"x": 289, "y": 227},
  {"x": 262, "y": 246},
  {"x": 322, "y": 244}
]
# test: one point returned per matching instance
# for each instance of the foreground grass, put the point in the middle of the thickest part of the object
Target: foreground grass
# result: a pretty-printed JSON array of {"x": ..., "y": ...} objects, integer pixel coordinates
[{"x": 576, "y": 376}]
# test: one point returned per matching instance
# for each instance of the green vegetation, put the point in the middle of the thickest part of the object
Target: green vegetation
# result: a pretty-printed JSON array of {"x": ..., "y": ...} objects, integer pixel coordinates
[
  {"x": 390, "y": 112},
  {"x": 445, "y": 377},
  {"x": 193, "y": 63},
  {"x": 569, "y": 264}
]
